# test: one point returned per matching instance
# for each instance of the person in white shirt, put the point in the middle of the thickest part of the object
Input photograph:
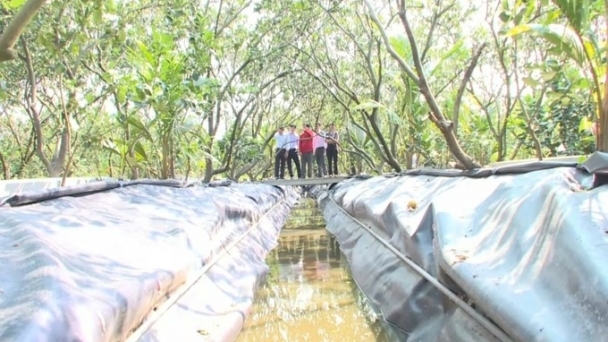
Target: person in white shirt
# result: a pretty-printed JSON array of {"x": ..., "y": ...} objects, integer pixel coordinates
[
  {"x": 319, "y": 146},
  {"x": 280, "y": 153},
  {"x": 292, "y": 143}
]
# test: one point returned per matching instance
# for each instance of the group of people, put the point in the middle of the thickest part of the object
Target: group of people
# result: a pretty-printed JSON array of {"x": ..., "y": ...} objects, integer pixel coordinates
[{"x": 310, "y": 145}]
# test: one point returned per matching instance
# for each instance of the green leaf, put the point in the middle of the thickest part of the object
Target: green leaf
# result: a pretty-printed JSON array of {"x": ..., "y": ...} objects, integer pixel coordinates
[
  {"x": 98, "y": 12},
  {"x": 530, "y": 81},
  {"x": 504, "y": 16},
  {"x": 46, "y": 40},
  {"x": 121, "y": 94},
  {"x": 98, "y": 17},
  {"x": 584, "y": 125},
  {"x": 109, "y": 145},
  {"x": 166, "y": 41},
  {"x": 134, "y": 121},
  {"x": 519, "y": 16},
  {"x": 146, "y": 52},
  {"x": 590, "y": 48},
  {"x": 208, "y": 37},
  {"x": 13, "y": 4},
  {"x": 394, "y": 118},
  {"x": 553, "y": 64},
  {"x": 551, "y": 17},
  {"x": 548, "y": 75},
  {"x": 110, "y": 6},
  {"x": 576, "y": 12},
  {"x": 530, "y": 9},
  {"x": 147, "y": 74},
  {"x": 517, "y": 30},
  {"x": 121, "y": 37},
  {"x": 367, "y": 105},
  {"x": 401, "y": 47},
  {"x": 564, "y": 39},
  {"x": 584, "y": 83},
  {"x": 90, "y": 97},
  {"x": 456, "y": 48},
  {"x": 139, "y": 149},
  {"x": 141, "y": 94}
]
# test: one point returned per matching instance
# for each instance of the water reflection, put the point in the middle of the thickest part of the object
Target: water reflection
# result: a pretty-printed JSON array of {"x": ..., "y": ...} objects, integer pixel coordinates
[{"x": 309, "y": 295}]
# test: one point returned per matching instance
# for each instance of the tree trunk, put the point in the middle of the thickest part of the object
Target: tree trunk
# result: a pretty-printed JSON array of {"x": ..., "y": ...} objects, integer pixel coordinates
[
  {"x": 133, "y": 166},
  {"x": 55, "y": 168},
  {"x": 409, "y": 156},
  {"x": 166, "y": 152},
  {"x": 208, "y": 170},
  {"x": 419, "y": 78},
  {"x": 601, "y": 138},
  {"x": 5, "y": 167},
  {"x": 110, "y": 167},
  {"x": 237, "y": 174},
  {"x": 171, "y": 158}
]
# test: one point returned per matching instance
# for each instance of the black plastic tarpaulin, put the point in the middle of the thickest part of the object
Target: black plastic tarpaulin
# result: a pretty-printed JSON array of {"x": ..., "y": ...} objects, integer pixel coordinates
[
  {"x": 99, "y": 259},
  {"x": 515, "y": 253}
]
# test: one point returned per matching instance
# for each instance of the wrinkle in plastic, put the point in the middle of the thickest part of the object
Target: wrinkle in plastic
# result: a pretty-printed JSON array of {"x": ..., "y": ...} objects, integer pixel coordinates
[
  {"x": 92, "y": 268},
  {"x": 527, "y": 250}
]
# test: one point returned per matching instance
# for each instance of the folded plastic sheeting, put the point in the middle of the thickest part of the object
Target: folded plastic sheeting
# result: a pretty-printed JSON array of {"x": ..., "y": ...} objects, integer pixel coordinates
[
  {"x": 15, "y": 186},
  {"x": 528, "y": 251},
  {"x": 228, "y": 288},
  {"x": 93, "y": 267}
]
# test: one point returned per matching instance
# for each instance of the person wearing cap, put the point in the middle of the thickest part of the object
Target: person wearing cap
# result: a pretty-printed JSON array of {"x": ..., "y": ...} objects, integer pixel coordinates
[
  {"x": 319, "y": 147},
  {"x": 292, "y": 143},
  {"x": 307, "y": 151},
  {"x": 280, "y": 153}
]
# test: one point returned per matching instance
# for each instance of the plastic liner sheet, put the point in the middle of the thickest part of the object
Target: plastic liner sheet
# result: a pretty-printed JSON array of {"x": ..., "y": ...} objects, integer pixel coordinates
[
  {"x": 17, "y": 186},
  {"x": 34, "y": 196},
  {"x": 230, "y": 286},
  {"x": 92, "y": 268},
  {"x": 526, "y": 250}
]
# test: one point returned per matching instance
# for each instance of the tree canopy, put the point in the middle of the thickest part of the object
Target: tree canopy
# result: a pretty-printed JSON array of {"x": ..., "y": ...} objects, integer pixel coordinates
[{"x": 169, "y": 89}]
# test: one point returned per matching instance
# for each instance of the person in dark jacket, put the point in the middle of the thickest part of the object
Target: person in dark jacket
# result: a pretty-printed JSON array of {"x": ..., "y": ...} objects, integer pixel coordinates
[
  {"x": 332, "y": 150},
  {"x": 292, "y": 142},
  {"x": 280, "y": 154}
]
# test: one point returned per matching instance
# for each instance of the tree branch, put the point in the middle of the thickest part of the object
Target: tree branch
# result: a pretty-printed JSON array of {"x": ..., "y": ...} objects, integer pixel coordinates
[
  {"x": 434, "y": 24},
  {"x": 13, "y": 30},
  {"x": 31, "y": 106},
  {"x": 436, "y": 115},
  {"x": 5, "y": 167},
  {"x": 402, "y": 64},
  {"x": 463, "y": 85}
]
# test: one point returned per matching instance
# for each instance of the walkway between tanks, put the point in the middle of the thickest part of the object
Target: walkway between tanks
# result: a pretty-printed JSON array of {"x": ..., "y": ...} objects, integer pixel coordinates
[{"x": 308, "y": 294}]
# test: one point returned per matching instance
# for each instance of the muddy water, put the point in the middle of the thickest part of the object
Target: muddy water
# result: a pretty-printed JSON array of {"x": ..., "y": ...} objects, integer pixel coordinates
[{"x": 309, "y": 295}]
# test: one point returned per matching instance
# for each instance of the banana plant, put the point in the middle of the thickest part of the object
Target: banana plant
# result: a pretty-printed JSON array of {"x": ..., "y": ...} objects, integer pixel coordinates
[{"x": 574, "y": 39}]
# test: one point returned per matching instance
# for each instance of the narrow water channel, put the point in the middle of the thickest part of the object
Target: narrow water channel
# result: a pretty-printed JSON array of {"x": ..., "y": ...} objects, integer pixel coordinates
[{"x": 309, "y": 295}]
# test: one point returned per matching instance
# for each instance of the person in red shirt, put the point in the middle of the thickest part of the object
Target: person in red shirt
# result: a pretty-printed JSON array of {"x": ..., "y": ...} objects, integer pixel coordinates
[{"x": 307, "y": 151}]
